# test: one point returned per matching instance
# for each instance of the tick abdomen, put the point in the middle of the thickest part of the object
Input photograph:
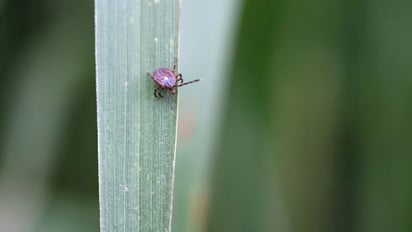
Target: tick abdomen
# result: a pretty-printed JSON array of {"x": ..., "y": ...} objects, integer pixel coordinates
[{"x": 165, "y": 78}]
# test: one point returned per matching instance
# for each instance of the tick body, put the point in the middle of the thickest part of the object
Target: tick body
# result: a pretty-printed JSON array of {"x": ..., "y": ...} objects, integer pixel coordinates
[{"x": 167, "y": 79}]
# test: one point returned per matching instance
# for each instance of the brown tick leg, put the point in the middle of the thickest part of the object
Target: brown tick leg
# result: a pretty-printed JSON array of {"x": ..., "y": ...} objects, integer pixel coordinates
[
  {"x": 179, "y": 77},
  {"x": 157, "y": 92},
  {"x": 174, "y": 64}
]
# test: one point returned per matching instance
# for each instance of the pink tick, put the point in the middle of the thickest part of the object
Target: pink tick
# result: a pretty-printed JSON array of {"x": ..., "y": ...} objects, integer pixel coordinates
[{"x": 166, "y": 79}]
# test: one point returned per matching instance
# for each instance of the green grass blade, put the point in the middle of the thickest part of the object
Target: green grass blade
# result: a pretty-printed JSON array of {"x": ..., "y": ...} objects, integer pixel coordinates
[{"x": 136, "y": 131}]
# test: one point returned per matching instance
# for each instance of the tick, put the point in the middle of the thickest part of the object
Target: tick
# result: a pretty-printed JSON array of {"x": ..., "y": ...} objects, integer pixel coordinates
[{"x": 167, "y": 79}]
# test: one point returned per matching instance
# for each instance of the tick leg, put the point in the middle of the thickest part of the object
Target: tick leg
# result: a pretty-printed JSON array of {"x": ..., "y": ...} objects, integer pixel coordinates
[
  {"x": 150, "y": 75},
  {"x": 179, "y": 77},
  {"x": 157, "y": 92},
  {"x": 186, "y": 83},
  {"x": 174, "y": 64}
]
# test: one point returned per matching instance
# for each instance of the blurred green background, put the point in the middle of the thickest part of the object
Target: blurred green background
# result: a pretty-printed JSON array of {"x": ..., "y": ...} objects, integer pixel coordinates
[{"x": 302, "y": 121}]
